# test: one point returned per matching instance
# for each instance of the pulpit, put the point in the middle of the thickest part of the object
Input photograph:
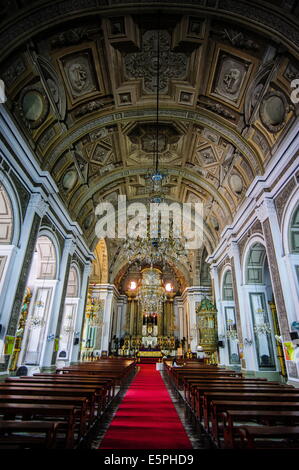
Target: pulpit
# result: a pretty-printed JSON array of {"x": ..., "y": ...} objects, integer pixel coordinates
[{"x": 207, "y": 325}]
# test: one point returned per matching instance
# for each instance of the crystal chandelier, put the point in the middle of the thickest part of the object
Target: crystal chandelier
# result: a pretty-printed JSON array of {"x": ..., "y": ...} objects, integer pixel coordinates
[
  {"x": 151, "y": 294},
  {"x": 155, "y": 249}
]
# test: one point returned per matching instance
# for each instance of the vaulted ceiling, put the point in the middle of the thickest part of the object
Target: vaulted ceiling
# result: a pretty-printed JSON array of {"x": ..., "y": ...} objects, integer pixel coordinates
[{"x": 80, "y": 80}]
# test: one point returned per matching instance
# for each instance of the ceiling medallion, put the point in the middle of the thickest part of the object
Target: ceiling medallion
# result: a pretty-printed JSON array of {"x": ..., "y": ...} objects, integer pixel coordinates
[{"x": 273, "y": 111}]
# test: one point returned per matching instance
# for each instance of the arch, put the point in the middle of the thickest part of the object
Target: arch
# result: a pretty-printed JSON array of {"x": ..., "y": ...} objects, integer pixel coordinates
[
  {"x": 227, "y": 292},
  {"x": 293, "y": 231},
  {"x": 288, "y": 215},
  {"x": 46, "y": 259},
  {"x": 254, "y": 240},
  {"x": 6, "y": 218},
  {"x": 49, "y": 253},
  {"x": 9, "y": 213},
  {"x": 255, "y": 262},
  {"x": 73, "y": 285}
]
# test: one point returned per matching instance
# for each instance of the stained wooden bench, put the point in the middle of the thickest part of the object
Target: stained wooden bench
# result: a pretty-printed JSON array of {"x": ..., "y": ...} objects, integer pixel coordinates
[
  {"x": 191, "y": 390},
  {"x": 219, "y": 391},
  {"x": 80, "y": 404},
  {"x": 219, "y": 406},
  {"x": 90, "y": 394},
  {"x": 231, "y": 420},
  {"x": 66, "y": 381},
  {"x": 188, "y": 383},
  {"x": 28, "y": 411},
  {"x": 10, "y": 434},
  {"x": 250, "y": 434},
  {"x": 263, "y": 396}
]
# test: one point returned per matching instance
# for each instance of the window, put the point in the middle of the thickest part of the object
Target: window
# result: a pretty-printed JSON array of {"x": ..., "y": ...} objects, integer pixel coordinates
[
  {"x": 227, "y": 290},
  {"x": 255, "y": 264},
  {"x": 294, "y": 232}
]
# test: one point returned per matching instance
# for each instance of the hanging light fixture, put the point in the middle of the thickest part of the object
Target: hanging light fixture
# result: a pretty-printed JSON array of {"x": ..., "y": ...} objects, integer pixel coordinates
[{"x": 154, "y": 249}]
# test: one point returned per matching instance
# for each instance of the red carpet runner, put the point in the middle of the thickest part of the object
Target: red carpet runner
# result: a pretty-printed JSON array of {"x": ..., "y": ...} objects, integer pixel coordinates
[{"x": 146, "y": 418}]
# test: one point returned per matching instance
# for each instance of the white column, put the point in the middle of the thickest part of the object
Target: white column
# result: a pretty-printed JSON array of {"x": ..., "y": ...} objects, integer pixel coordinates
[
  {"x": 80, "y": 313},
  {"x": 120, "y": 309},
  {"x": 181, "y": 315},
  {"x": 68, "y": 250},
  {"x": 267, "y": 210},
  {"x": 244, "y": 313},
  {"x": 107, "y": 318},
  {"x": 223, "y": 352}
]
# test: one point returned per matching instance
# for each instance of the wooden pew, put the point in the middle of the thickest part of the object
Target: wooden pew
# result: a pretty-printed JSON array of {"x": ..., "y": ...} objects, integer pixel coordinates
[
  {"x": 10, "y": 434},
  {"x": 263, "y": 395},
  {"x": 26, "y": 411},
  {"x": 66, "y": 381},
  {"x": 179, "y": 375},
  {"x": 219, "y": 406},
  {"x": 189, "y": 382},
  {"x": 195, "y": 388},
  {"x": 250, "y": 434},
  {"x": 94, "y": 393},
  {"x": 219, "y": 391},
  {"x": 231, "y": 420},
  {"x": 80, "y": 404},
  {"x": 89, "y": 394}
]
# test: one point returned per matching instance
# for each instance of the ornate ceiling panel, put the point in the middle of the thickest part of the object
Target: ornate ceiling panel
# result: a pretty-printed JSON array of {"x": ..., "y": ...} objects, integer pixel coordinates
[{"x": 81, "y": 83}]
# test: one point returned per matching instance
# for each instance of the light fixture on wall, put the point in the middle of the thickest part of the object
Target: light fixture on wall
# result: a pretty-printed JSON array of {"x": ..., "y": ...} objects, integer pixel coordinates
[{"x": 231, "y": 331}]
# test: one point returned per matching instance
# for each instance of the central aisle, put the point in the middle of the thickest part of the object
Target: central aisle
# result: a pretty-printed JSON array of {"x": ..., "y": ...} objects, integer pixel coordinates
[{"x": 146, "y": 418}]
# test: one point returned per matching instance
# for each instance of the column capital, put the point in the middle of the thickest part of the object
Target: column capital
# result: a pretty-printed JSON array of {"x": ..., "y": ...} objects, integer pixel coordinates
[
  {"x": 233, "y": 249},
  {"x": 38, "y": 204},
  {"x": 70, "y": 245},
  {"x": 266, "y": 210},
  {"x": 87, "y": 269}
]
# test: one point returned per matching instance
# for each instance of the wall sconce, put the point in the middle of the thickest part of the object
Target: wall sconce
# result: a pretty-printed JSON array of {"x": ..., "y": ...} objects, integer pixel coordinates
[{"x": 248, "y": 342}]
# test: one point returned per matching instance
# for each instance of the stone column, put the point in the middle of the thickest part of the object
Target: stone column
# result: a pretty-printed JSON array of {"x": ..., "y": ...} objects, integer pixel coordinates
[
  {"x": 223, "y": 353},
  {"x": 243, "y": 329},
  {"x": 108, "y": 293},
  {"x": 266, "y": 213},
  {"x": 78, "y": 333}
]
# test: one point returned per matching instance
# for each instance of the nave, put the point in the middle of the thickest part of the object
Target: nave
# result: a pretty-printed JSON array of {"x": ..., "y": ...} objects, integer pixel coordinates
[
  {"x": 120, "y": 404},
  {"x": 149, "y": 210}
]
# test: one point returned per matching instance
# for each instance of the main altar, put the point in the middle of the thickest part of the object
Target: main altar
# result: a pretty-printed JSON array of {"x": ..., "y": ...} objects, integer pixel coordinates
[{"x": 150, "y": 316}]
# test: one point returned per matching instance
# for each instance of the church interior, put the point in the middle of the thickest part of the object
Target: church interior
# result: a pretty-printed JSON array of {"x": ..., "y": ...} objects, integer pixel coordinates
[{"x": 109, "y": 108}]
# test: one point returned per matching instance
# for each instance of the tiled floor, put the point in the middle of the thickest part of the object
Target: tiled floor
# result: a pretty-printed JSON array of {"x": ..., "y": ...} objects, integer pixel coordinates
[{"x": 199, "y": 439}]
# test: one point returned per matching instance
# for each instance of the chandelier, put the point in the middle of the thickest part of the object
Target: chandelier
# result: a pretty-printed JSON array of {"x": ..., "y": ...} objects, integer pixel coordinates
[
  {"x": 151, "y": 293},
  {"x": 154, "y": 248}
]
